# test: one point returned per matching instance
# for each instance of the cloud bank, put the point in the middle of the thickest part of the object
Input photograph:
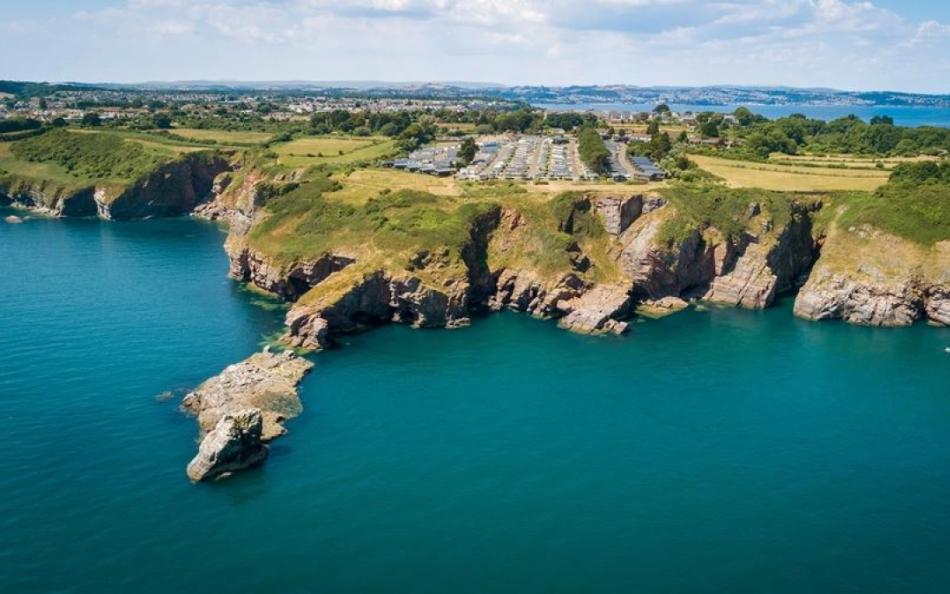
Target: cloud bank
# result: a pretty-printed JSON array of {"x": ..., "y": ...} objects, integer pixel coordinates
[{"x": 829, "y": 43}]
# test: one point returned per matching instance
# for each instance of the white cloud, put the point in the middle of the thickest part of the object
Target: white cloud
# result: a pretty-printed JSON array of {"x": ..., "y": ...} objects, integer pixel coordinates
[{"x": 841, "y": 43}]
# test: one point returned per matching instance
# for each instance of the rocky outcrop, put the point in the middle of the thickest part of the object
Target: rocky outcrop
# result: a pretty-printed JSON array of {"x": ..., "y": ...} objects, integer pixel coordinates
[
  {"x": 659, "y": 308},
  {"x": 289, "y": 281},
  {"x": 525, "y": 291},
  {"x": 243, "y": 408},
  {"x": 235, "y": 443},
  {"x": 238, "y": 196},
  {"x": 829, "y": 296},
  {"x": 266, "y": 381},
  {"x": 868, "y": 277},
  {"x": 48, "y": 198},
  {"x": 375, "y": 298},
  {"x": 602, "y": 310},
  {"x": 659, "y": 270},
  {"x": 769, "y": 264},
  {"x": 173, "y": 189},
  {"x": 746, "y": 270},
  {"x": 618, "y": 212},
  {"x": 937, "y": 304}
]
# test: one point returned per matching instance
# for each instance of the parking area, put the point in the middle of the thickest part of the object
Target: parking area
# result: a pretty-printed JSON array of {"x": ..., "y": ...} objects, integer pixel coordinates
[{"x": 526, "y": 157}]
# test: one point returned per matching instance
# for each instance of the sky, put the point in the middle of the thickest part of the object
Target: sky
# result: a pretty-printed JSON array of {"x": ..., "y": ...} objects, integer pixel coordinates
[{"x": 901, "y": 45}]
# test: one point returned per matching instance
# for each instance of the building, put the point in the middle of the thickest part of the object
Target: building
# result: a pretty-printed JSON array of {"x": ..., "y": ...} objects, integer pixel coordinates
[{"x": 646, "y": 169}]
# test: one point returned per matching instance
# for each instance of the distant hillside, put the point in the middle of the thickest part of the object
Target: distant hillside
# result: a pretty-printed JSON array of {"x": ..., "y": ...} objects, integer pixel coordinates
[{"x": 711, "y": 96}]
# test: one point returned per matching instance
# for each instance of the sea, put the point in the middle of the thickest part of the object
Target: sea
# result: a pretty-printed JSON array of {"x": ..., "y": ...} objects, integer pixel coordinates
[
  {"x": 717, "y": 450},
  {"x": 902, "y": 115}
]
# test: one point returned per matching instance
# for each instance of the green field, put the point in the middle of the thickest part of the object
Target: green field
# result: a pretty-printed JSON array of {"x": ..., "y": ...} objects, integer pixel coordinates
[
  {"x": 332, "y": 150},
  {"x": 223, "y": 136},
  {"x": 38, "y": 171},
  {"x": 791, "y": 178},
  {"x": 75, "y": 158}
]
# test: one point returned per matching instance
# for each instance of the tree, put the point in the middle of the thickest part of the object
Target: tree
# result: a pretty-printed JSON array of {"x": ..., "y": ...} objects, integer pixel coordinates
[
  {"x": 592, "y": 150},
  {"x": 91, "y": 118},
  {"x": 660, "y": 146},
  {"x": 162, "y": 121},
  {"x": 709, "y": 128},
  {"x": 662, "y": 109},
  {"x": 882, "y": 121},
  {"x": 467, "y": 151},
  {"x": 653, "y": 128},
  {"x": 416, "y": 135},
  {"x": 58, "y": 123},
  {"x": 744, "y": 116},
  {"x": 42, "y": 103},
  {"x": 683, "y": 138}
]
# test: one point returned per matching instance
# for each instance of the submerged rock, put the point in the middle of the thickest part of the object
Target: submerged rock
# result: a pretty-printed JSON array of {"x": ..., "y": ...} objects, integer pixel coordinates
[
  {"x": 13, "y": 220},
  {"x": 264, "y": 382},
  {"x": 659, "y": 308},
  {"x": 234, "y": 444}
]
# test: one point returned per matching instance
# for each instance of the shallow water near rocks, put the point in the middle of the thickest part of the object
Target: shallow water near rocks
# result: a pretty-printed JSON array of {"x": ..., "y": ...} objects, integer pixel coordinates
[{"x": 713, "y": 451}]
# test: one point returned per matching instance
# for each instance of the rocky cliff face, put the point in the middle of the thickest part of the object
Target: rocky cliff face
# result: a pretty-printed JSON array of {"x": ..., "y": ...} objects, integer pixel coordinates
[
  {"x": 747, "y": 270},
  {"x": 48, "y": 198},
  {"x": 756, "y": 268},
  {"x": 338, "y": 294},
  {"x": 174, "y": 189},
  {"x": 871, "y": 278}
]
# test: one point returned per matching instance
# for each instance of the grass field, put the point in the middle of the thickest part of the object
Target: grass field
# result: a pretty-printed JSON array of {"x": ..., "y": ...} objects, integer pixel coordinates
[
  {"x": 746, "y": 174},
  {"x": 671, "y": 129},
  {"x": 223, "y": 136},
  {"x": 333, "y": 150},
  {"x": 844, "y": 161},
  {"x": 363, "y": 184},
  {"x": 164, "y": 147},
  {"x": 37, "y": 171},
  {"x": 154, "y": 143}
]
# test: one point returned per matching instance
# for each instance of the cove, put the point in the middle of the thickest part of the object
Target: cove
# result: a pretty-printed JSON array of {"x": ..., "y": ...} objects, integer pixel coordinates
[{"x": 712, "y": 451}]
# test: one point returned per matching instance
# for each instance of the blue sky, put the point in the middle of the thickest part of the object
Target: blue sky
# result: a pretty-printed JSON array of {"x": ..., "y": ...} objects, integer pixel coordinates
[{"x": 850, "y": 44}]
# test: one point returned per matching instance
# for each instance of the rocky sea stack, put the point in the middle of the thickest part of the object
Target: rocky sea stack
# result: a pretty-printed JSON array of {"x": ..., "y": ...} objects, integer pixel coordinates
[{"x": 243, "y": 408}]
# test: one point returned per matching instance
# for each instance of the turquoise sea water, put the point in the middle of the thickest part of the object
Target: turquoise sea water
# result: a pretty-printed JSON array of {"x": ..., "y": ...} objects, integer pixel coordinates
[
  {"x": 714, "y": 451},
  {"x": 903, "y": 116}
]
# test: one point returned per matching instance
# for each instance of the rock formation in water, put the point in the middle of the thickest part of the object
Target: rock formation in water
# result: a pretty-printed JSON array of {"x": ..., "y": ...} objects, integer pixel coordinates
[
  {"x": 235, "y": 443},
  {"x": 243, "y": 408}
]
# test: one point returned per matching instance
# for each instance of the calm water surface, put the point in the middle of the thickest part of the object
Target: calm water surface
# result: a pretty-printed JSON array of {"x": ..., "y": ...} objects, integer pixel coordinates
[
  {"x": 903, "y": 115},
  {"x": 719, "y": 451}
]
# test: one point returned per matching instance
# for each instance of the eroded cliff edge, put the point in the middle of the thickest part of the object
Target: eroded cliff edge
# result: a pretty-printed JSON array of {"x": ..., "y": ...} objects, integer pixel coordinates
[
  {"x": 171, "y": 189},
  {"x": 588, "y": 260}
]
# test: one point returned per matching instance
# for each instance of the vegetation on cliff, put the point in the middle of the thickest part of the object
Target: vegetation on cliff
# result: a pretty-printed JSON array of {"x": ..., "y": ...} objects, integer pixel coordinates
[
  {"x": 729, "y": 210},
  {"x": 89, "y": 156},
  {"x": 914, "y": 205}
]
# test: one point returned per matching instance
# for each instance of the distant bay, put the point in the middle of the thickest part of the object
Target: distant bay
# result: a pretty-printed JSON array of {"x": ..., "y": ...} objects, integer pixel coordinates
[{"x": 903, "y": 115}]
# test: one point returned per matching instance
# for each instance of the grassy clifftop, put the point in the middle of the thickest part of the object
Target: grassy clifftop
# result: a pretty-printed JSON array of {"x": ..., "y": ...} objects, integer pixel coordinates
[
  {"x": 389, "y": 228},
  {"x": 88, "y": 156}
]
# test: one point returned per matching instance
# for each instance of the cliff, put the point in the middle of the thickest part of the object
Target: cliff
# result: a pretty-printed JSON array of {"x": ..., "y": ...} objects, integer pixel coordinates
[
  {"x": 870, "y": 277},
  {"x": 586, "y": 260},
  {"x": 171, "y": 189}
]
